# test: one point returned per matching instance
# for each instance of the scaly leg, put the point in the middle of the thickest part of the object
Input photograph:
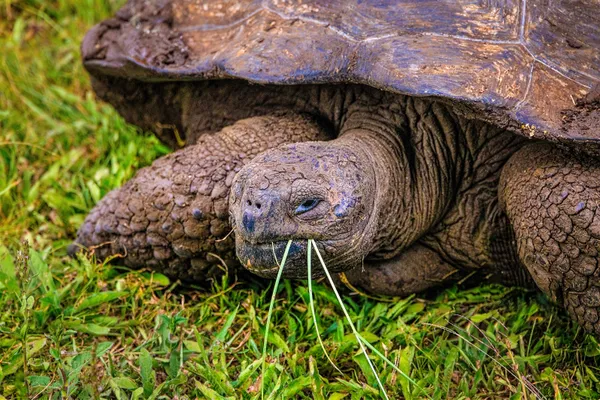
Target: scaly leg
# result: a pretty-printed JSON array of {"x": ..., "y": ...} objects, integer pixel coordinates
[
  {"x": 413, "y": 271},
  {"x": 173, "y": 215},
  {"x": 552, "y": 198}
]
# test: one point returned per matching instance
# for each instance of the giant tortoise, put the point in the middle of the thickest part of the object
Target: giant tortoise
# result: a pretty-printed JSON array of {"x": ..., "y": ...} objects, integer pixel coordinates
[{"x": 417, "y": 142}]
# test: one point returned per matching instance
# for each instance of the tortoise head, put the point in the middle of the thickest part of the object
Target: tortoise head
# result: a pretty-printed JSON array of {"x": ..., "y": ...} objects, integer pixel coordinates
[{"x": 312, "y": 190}]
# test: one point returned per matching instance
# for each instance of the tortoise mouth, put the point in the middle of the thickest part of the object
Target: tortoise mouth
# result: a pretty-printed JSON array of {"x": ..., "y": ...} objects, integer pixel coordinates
[{"x": 264, "y": 259}]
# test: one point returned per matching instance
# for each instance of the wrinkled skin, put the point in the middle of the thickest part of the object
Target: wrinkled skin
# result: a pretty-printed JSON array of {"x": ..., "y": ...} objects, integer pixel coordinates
[
  {"x": 402, "y": 193},
  {"x": 300, "y": 191}
]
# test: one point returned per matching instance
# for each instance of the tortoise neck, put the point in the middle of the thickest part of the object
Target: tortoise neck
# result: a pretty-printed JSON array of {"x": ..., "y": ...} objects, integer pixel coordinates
[{"x": 412, "y": 183}]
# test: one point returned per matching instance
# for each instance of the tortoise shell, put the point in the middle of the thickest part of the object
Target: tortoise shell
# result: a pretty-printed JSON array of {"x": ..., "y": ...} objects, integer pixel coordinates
[{"x": 530, "y": 65}]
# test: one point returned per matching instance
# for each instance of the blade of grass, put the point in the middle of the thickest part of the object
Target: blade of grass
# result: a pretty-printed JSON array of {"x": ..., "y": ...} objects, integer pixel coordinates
[
  {"x": 534, "y": 392},
  {"x": 312, "y": 305},
  {"x": 264, "y": 352},
  {"x": 524, "y": 381},
  {"x": 356, "y": 334},
  {"x": 391, "y": 364}
]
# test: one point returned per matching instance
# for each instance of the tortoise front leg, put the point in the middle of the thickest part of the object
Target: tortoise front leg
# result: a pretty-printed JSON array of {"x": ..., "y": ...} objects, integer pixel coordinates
[
  {"x": 416, "y": 269},
  {"x": 173, "y": 216},
  {"x": 552, "y": 198}
]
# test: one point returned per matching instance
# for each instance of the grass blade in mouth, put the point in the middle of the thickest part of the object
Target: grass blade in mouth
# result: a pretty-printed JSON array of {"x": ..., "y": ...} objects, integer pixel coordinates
[
  {"x": 312, "y": 305},
  {"x": 264, "y": 352},
  {"x": 359, "y": 338}
]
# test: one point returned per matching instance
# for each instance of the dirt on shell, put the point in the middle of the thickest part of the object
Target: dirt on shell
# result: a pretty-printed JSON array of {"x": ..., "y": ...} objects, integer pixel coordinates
[
  {"x": 584, "y": 117},
  {"x": 144, "y": 25}
]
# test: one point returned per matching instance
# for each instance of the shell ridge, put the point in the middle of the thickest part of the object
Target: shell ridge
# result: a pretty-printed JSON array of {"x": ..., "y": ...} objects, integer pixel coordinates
[
  {"x": 314, "y": 21},
  {"x": 527, "y": 89},
  {"x": 523, "y": 21},
  {"x": 520, "y": 41},
  {"x": 470, "y": 39},
  {"x": 210, "y": 28},
  {"x": 553, "y": 68}
]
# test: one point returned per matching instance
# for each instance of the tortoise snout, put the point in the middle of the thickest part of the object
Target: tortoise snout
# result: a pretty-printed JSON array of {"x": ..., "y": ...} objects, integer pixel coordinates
[{"x": 257, "y": 207}]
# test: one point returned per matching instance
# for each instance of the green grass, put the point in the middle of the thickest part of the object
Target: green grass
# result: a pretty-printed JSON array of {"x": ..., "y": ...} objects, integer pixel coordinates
[{"x": 81, "y": 329}]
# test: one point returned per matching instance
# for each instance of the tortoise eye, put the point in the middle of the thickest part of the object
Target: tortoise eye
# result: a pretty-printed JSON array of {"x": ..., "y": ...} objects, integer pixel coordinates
[{"x": 307, "y": 205}]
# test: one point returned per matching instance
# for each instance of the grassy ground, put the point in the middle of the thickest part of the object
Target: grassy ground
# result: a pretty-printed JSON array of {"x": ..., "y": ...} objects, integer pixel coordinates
[{"x": 80, "y": 329}]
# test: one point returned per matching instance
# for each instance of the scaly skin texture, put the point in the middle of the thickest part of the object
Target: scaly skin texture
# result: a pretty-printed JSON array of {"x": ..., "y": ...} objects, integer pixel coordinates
[
  {"x": 415, "y": 270},
  {"x": 552, "y": 197},
  {"x": 173, "y": 215}
]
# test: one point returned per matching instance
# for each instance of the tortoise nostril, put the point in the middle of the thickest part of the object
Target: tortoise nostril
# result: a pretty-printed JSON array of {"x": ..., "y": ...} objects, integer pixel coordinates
[{"x": 255, "y": 206}]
